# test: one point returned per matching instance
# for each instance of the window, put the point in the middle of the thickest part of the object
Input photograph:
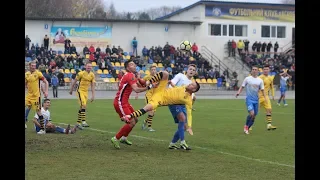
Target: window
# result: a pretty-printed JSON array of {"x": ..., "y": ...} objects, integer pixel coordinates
[
  {"x": 228, "y": 30},
  {"x": 218, "y": 30},
  {"x": 231, "y": 30},
  {"x": 215, "y": 30},
  {"x": 281, "y": 32},
  {"x": 224, "y": 30},
  {"x": 273, "y": 31},
  {"x": 241, "y": 30}
]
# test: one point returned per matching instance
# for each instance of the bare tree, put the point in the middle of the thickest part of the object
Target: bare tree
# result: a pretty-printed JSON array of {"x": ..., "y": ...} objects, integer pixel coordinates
[
  {"x": 288, "y": 1},
  {"x": 88, "y": 9},
  {"x": 161, "y": 11}
]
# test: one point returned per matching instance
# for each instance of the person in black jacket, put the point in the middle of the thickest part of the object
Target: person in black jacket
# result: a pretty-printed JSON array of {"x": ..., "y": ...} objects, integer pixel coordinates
[
  {"x": 229, "y": 47},
  {"x": 263, "y": 48},
  {"x": 246, "y": 46},
  {"x": 254, "y": 47},
  {"x": 269, "y": 46}
]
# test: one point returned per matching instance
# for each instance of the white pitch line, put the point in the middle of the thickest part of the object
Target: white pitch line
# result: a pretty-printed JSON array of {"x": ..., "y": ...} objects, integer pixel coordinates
[{"x": 198, "y": 147}]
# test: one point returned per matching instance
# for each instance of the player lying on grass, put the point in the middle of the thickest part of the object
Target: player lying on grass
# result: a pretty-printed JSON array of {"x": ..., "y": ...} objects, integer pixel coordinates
[
  {"x": 33, "y": 96},
  {"x": 163, "y": 96},
  {"x": 253, "y": 85},
  {"x": 49, "y": 127}
]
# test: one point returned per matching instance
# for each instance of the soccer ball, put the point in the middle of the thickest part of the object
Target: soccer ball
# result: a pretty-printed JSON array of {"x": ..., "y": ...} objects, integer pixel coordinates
[{"x": 185, "y": 45}]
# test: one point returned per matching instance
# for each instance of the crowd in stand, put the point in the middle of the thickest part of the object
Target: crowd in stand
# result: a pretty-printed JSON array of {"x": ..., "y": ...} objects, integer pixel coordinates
[
  {"x": 261, "y": 54},
  {"x": 51, "y": 62}
]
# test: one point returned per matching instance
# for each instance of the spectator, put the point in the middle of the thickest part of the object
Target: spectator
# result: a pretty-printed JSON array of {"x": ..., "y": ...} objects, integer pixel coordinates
[
  {"x": 46, "y": 42},
  {"x": 229, "y": 47},
  {"x": 275, "y": 47},
  {"x": 145, "y": 52},
  {"x": 85, "y": 50},
  {"x": 269, "y": 46},
  {"x": 166, "y": 50},
  {"x": 120, "y": 50},
  {"x": 55, "y": 84},
  {"x": 234, "y": 46},
  {"x": 246, "y": 46},
  {"x": 67, "y": 46},
  {"x": 108, "y": 50},
  {"x": 73, "y": 49},
  {"x": 194, "y": 48},
  {"x": 98, "y": 49},
  {"x": 27, "y": 42},
  {"x": 263, "y": 48},
  {"x": 258, "y": 47},
  {"x": 134, "y": 44},
  {"x": 172, "y": 51},
  {"x": 114, "y": 50},
  {"x": 240, "y": 46},
  {"x": 254, "y": 47}
]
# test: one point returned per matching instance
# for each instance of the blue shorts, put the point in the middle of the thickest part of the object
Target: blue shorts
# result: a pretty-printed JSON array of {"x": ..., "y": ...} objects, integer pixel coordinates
[
  {"x": 283, "y": 91},
  {"x": 176, "y": 109},
  {"x": 252, "y": 106}
]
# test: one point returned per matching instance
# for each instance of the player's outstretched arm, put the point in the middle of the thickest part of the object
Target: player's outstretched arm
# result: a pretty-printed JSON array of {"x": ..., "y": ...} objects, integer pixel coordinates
[
  {"x": 242, "y": 86},
  {"x": 138, "y": 89},
  {"x": 46, "y": 85}
]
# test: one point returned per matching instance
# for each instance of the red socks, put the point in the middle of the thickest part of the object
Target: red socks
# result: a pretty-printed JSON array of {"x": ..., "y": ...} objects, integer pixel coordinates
[{"x": 124, "y": 131}]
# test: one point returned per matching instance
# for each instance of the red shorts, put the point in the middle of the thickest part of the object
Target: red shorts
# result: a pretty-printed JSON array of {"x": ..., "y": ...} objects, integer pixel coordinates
[{"x": 123, "y": 108}]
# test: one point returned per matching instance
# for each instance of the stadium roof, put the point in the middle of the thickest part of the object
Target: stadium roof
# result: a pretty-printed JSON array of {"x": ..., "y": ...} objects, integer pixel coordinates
[
  {"x": 113, "y": 20},
  {"x": 213, "y": 2}
]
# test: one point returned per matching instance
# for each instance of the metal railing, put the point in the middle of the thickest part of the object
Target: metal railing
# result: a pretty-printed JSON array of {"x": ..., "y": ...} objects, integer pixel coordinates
[{"x": 214, "y": 60}]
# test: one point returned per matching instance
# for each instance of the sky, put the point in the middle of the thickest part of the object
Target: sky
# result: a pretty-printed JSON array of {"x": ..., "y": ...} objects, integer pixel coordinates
[{"x": 136, "y": 5}]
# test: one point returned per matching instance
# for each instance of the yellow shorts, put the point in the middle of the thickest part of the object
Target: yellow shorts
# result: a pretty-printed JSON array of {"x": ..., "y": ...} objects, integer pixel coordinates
[
  {"x": 33, "y": 103},
  {"x": 157, "y": 94},
  {"x": 147, "y": 98},
  {"x": 266, "y": 104},
  {"x": 82, "y": 97}
]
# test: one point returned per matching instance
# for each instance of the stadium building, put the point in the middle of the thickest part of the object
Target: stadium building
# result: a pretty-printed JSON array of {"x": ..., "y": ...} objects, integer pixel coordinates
[{"x": 210, "y": 24}]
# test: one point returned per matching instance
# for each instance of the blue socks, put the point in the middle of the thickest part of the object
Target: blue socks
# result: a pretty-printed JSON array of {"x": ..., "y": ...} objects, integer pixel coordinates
[
  {"x": 248, "y": 122},
  {"x": 60, "y": 129},
  {"x": 284, "y": 101},
  {"x": 26, "y": 114},
  {"x": 179, "y": 133},
  {"x": 181, "y": 130},
  {"x": 251, "y": 122},
  {"x": 175, "y": 137}
]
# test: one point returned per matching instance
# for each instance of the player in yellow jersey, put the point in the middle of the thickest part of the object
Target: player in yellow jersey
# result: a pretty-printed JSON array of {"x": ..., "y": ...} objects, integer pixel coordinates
[
  {"x": 86, "y": 78},
  {"x": 265, "y": 103},
  {"x": 148, "y": 122},
  {"x": 33, "y": 97},
  {"x": 163, "y": 96}
]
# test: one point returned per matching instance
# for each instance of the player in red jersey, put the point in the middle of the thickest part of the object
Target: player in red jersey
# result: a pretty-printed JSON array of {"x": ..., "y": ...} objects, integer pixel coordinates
[{"x": 121, "y": 102}]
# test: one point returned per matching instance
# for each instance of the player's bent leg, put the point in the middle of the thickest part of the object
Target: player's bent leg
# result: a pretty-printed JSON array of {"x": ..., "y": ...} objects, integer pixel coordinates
[
  {"x": 162, "y": 75},
  {"x": 41, "y": 122},
  {"x": 148, "y": 121},
  {"x": 138, "y": 113},
  {"x": 284, "y": 100},
  {"x": 124, "y": 138}
]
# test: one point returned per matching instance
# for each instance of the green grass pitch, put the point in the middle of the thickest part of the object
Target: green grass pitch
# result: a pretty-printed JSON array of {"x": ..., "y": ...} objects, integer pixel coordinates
[{"x": 220, "y": 148}]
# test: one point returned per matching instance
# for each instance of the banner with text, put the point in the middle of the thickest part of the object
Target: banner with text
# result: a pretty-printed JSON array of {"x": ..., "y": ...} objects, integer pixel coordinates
[
  {"x": 81, "y": 36},
  {"x": 236, "y": 13}
]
